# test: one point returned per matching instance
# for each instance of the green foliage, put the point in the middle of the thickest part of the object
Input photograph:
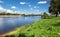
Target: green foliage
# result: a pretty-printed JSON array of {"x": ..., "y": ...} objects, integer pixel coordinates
[
  {"x": 54, "y": 7},
  {"x": 45, "y": 15},
  {"x": 10, "y": 36},
  {"x": 21, "y": 35},
  {"x": 4, "y": 13},
  {"x": 45, "y": 28},
  {"x": 7, "y": 36}
]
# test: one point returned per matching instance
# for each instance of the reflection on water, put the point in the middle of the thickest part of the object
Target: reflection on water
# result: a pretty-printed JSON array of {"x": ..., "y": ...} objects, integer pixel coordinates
[{"x": 9, "y": 23}]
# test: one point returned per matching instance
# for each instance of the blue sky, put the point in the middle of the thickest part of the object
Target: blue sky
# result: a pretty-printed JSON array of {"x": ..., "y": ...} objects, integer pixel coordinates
[{"x": 24, "y": 6}]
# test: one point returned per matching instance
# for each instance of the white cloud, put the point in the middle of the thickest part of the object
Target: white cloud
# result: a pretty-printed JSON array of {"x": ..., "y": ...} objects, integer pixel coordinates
[
  {"x": 1, "y": 8},
  {"x": 31, "y": 8},
  {"x": 13, "y": 7},
  {"x": 9, "y": 11},
  {"x": 18, "y": 12},
  {"x": 35, "y": 6},
  {"x": 23, "y": 3},
  {"x": 42, "y": 2},
  {"x": 29, "y": 5},
  {"x": 1, "y": 1}
]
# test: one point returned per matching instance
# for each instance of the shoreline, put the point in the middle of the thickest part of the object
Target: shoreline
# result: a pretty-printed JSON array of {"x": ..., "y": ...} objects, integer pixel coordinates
[{"x": 7, "y": 33}]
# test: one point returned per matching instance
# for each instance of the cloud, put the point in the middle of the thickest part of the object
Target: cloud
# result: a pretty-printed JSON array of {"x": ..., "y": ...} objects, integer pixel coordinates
[
  {"x": 2, "y": 9},
  {"x": 1, "y": 1},
  {"x": 23, "y": 3},
  {"x": 35, "y": 6},
  {"x": 18, "y": 12},
  {"x": 29, "y": 5},
  {"x": 42, "y": 2},
  {"x": 31, "y": 8},
  {"x": 9, "y": 11},
  {"x": 13, "y": 7}
]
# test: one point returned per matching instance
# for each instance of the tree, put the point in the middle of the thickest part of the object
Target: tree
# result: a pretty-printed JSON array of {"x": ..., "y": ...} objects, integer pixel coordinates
[
  {"x": 53, "y": 9},
  {"x": 58, "y": 3}
]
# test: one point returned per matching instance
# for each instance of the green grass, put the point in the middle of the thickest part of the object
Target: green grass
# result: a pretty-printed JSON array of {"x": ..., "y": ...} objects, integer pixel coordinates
[{"x": 41, "y": 28}]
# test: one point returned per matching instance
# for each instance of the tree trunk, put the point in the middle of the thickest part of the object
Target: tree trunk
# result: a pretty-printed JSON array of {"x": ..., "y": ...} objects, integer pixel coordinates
[{"x": 56, "y": 14}]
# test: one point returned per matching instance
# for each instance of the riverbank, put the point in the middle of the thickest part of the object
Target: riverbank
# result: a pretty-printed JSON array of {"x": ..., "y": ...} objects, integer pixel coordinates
[
  {"x": 41, "y": 28},
  {"x": 8, "y": 33}
]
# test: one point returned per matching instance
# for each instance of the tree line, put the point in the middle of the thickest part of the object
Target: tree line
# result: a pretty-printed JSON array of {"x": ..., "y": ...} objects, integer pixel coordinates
[{"x": 4, "y": 13}]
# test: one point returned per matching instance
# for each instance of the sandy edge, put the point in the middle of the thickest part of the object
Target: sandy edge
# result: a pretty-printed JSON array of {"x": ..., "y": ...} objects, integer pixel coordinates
[{"x": 8, "y": 33}]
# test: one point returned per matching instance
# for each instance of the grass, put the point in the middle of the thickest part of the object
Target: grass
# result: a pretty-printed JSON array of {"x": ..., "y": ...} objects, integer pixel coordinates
[{"x": 41, "y": 28}]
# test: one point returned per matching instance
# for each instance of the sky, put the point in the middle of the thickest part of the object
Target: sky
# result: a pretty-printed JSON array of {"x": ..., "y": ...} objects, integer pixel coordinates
[{"x": 24, "y": 6}]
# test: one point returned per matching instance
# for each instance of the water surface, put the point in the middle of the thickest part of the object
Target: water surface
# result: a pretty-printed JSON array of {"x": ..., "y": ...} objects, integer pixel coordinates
[{"x": 10, "y": 23}]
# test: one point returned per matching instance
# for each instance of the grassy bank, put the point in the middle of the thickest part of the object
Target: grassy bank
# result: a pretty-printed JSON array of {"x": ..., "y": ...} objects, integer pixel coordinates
[{"x": 41, "y": 28}]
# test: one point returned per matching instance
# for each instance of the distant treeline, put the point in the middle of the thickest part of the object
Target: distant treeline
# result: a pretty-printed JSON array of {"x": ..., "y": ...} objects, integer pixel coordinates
[
  {"x": 3, "y": 13},
  {"x": 30, "y": 14}
]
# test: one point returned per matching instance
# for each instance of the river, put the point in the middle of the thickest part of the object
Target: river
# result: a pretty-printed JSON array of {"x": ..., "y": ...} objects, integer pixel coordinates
[{"x": 10, "y": 23}]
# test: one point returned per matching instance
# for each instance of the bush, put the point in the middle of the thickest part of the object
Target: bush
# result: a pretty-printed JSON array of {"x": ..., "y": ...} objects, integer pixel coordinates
[
  {"x": 21, "y": 35},
  {"x": 10, "y": 36},
  {"x": 32, "y": 35},
  {"x": 7, "y": 36},
  {"x": 45, "y": 15}
]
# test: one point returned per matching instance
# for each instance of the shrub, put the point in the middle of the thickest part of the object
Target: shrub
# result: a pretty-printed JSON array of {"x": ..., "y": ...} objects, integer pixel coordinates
[
  {"x": 21, "y": 35},
  {"x": 10, "y": 36},
  {"x": 45, "y": 15}
]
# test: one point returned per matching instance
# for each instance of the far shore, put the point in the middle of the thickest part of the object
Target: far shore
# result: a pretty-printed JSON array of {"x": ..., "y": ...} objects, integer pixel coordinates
[
  {"x": 14, "y": 15},
  {"x": 9, "y": 15}
]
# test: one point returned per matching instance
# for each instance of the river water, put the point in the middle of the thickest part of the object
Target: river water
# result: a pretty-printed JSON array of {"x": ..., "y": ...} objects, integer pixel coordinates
[{"x": 10, "y": 23}]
